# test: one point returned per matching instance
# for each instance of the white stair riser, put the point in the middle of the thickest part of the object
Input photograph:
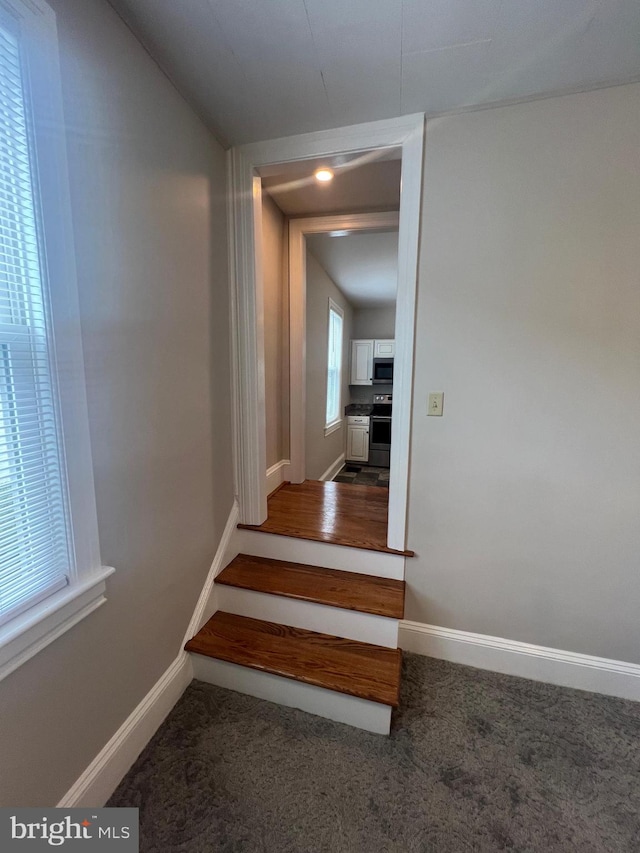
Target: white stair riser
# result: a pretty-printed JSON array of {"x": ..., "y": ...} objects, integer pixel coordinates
[
  {"x": 322, "y": 554},
  {"x": 360, "y": 713},
  {"x": 364, "y": 627}
]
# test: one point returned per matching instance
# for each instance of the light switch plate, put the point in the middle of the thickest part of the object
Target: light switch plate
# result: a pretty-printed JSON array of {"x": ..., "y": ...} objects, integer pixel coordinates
[{"x": 436, "y": 401}]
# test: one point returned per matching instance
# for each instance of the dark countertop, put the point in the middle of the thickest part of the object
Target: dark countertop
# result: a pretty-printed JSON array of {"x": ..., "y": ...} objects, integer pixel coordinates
[{"x": 358, "y": 409}]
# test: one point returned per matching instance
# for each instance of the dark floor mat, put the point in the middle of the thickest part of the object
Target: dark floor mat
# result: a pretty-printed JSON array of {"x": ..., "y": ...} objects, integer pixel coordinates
[{"x": 363, "y": 475}]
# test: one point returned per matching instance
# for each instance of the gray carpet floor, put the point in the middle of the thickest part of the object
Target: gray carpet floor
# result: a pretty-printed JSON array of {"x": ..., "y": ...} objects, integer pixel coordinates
[{"x": 475, "y": 762}]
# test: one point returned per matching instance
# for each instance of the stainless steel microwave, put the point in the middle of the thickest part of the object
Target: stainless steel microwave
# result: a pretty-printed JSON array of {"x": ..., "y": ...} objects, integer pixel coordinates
[{"x": 383, "y": 371}]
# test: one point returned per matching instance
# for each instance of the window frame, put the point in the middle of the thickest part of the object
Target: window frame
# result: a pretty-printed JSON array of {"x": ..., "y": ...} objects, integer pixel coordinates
[
  {"x": 33, "y": 629},
  {"x": 335, "y": 424}
]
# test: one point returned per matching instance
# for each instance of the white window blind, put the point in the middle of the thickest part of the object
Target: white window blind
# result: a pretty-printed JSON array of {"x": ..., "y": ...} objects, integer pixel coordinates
[
  {"x": 34, "y": 542},
  {"x": 334, "y": 364}
]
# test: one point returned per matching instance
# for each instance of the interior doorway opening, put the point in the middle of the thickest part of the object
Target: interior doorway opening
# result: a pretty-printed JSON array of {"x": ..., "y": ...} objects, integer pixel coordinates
[
  {"x": 360, "y": 269},
  {"x": 394, "y": 146},
  {"x": 318, "y": 447}
]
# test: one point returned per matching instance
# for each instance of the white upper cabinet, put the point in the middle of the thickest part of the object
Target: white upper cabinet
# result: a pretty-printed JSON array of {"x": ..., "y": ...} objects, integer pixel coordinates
[
  {"x": 362, "y": 355},
  {"x": 361, "y": 363},
  {"x": 384, "y": 349}
]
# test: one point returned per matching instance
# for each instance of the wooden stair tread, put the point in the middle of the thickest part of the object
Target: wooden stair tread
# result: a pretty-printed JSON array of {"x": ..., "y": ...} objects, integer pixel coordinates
[
  {"x": 335, "y": 513},
  {"x": 347, "y": 666},
  {"x": 348, "y": 590}
]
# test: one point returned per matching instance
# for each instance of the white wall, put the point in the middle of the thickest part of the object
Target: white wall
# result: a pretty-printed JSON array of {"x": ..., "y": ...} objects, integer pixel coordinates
[
  {"x": 148, "y": 203},
  {"x": 525, "y": 496},
  {"x": 376, "y": 322},
  {"x": 321, "y": 451},
  {"x": 276, "y": 331}
]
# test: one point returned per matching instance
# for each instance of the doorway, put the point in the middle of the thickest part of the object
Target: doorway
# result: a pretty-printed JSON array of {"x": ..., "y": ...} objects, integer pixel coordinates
[
  {"x": 404, "y": 135},
  {"x": 304, "y": 231},
  {"x": 360, "y": 268}
]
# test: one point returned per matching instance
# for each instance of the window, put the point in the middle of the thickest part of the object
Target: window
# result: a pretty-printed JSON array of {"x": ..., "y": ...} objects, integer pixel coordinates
[
  {"x": 334, "y": 368},
  {"x": 50, "y": 574},
  {"x": 33, "y": 511}
]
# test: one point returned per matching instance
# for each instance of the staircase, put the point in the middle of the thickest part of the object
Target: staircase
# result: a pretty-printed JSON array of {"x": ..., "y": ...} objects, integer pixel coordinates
[{"x": 315, "y": 631}]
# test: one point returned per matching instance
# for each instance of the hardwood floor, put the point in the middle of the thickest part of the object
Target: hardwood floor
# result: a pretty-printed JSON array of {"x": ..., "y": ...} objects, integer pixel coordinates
[
  {"x": 358, "y": 669},
  {"x": 347, "y": 590},
  {"x": 339, "y": 513}
]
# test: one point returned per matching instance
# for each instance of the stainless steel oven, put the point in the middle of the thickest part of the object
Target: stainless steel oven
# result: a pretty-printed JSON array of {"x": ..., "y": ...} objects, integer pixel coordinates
[{"x": 380, "y": 431}]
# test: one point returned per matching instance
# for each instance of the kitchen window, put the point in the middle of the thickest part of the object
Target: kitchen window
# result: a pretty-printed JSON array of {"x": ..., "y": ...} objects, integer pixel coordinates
[
  {"x": 50, "y": 572},
  {"x": 334, "y": 368}
]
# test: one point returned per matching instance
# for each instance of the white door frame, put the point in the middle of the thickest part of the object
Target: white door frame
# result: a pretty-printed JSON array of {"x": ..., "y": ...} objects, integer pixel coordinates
[
  {"x": 406, "y": 133},
  {"x": 298, "y": 229}
]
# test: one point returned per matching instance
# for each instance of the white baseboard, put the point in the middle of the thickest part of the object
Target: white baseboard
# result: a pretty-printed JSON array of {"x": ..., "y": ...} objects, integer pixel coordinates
[
  {"x": 554, "y": 666},
  {"x": 106, "y": 771},
  {"x": 102, "y": 776},
  {"x": 277, "y": 474},
  {"x": 226, "y": 551},
  {"x": 333, "y": 469}
]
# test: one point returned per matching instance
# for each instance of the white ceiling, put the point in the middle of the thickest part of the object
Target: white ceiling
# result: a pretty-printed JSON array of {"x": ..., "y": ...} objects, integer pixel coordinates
[
  {"x": 259, "y": 69},
  {"x": 354, "y": 189},
  {"x": 364, "y": 266}
]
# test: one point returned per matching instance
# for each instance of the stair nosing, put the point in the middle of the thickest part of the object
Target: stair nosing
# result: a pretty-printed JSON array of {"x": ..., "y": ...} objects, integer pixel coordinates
[{"x": 282, "y": 564}]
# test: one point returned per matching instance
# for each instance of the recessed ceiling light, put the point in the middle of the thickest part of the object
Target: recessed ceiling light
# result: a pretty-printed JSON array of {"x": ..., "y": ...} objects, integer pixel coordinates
[{"x": 323, "y": 175}]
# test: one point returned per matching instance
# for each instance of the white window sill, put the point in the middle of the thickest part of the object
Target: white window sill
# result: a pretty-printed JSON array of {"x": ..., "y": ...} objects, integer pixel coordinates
[
  {"x": 332, "y": 427},
  {"x": 33, "y": 630}
]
